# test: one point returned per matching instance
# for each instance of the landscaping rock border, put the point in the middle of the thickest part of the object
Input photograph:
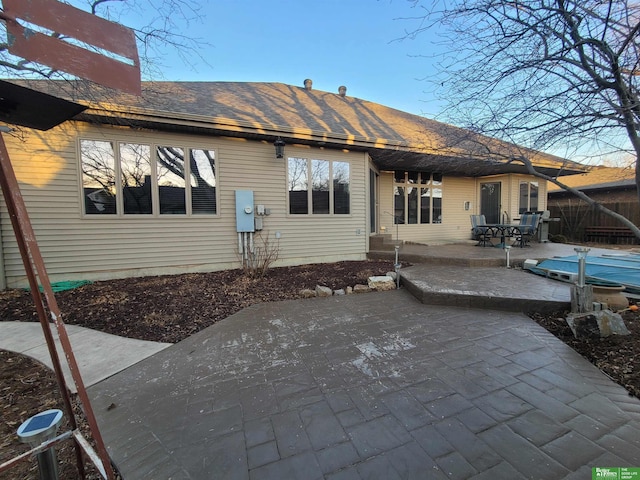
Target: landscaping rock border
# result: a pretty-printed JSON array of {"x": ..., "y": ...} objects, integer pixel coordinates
[{"x": 378, "y": 283}]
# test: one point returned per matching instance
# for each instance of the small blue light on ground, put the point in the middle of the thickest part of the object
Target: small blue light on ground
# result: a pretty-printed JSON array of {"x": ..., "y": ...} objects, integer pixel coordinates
[
  {"x": 40, "y": 427},
  {"x": 40, "y": 422}
]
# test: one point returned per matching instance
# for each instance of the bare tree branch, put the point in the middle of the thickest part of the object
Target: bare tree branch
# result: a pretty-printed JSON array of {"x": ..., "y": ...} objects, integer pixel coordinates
[{"x": 545, "y": 74}]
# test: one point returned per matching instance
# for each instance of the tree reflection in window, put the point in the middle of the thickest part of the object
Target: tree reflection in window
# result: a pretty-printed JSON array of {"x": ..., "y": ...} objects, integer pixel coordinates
[
  {"x": 528, "y": 197},
  {"x": 329, "y": 186},
  {"x": 202, "y": 173},
  {"x": 171, "y": 183},
  {"x": 98, "y": 177},
  {"x": 298, "y": 185},
  {"x": 135, "y": 171},
  {"x": 341, "y": 194},
  {"x": 320, "y": 186},
  {"x": 425, "y": 205},
  {"x": 413, "y": 204},
  {"x": 147, "y": 186}
]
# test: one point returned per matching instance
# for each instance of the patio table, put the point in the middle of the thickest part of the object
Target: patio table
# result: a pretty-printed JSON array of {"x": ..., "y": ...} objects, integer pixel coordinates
[{"x": 504, "y": 230}]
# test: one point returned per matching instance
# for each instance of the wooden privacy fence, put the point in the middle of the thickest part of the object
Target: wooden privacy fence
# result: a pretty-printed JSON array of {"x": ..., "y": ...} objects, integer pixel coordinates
[{"x": 580, "y": 222}]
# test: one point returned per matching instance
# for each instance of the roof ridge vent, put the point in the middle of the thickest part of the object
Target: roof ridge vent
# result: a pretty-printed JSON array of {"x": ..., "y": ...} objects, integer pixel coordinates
[{"x": 308, "y": 83}]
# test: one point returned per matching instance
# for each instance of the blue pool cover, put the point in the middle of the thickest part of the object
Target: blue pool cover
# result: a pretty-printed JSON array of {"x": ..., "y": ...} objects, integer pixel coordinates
[{"x": 614, "y": 269}]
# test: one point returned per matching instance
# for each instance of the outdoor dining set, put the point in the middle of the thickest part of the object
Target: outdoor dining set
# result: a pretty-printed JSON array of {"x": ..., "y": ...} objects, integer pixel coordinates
[{"x": 522, "y": 232}]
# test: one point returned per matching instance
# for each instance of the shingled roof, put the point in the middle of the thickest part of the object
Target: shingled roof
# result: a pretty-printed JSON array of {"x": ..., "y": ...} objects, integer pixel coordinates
[
  {"x": 599, "y": 177},
  {"x": 264, "y": 111}
]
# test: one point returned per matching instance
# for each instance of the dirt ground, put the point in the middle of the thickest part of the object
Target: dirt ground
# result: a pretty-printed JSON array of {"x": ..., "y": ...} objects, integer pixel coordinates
[{"x": 170, "y": 308}]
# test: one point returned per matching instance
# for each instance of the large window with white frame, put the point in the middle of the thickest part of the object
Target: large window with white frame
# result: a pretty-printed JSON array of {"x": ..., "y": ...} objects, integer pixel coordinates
[
  {"x": 318, "y": 187},
  {"x": 417, "y": 197},
  {"x": 528, "y": 197},
  {"x": 126, "y": 178}
]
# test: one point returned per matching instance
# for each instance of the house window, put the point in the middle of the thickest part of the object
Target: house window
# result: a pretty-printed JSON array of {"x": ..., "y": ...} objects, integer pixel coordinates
[
  {"x": 528, "y": 197},
  {"x": 417, "y": 198},
  {"x": 341, "y": 195},
  {"x": 171, "y": 180},
  {"x": 320, "y": 186},
  {"x": 144, "y": 179},
  {"x": 329, "y": 182},
  {"x": 135, "y": 172},
  {"x": 98, "y": 177},
  {"x": 298, "y": 186},
  {"x": 202, "y": 174}
]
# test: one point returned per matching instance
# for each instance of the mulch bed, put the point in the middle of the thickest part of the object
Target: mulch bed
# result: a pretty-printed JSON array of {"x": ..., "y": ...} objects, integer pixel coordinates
[
  {"x": 617, "y": 356},
  {"x": 170, "y": 308}
]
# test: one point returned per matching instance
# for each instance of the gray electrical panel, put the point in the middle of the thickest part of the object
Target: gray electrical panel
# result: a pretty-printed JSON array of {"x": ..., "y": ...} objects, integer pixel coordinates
[{"x": 244, "y": 211}]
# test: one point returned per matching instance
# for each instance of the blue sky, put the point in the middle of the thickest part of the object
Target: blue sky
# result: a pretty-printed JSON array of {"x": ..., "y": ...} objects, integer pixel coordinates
[{"x": 356, "y": 43}]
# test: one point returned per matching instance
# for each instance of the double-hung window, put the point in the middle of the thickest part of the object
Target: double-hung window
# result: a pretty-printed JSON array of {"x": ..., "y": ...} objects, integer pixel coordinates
[
  {"x": 319, "y": 187},
  {"x": 528, "y": 197},
  {"x": 417, "y": 197},
  {"x": 125, "y": 178}
]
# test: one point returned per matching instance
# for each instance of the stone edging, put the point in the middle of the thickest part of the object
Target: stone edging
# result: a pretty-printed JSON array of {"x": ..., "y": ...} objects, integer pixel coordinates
[{"x": 378, "y": 283}]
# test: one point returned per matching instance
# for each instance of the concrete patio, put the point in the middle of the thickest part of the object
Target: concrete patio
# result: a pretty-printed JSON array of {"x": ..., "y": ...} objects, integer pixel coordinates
[
  {"x": 365, "y": 387},
  {"x": 467, "y": 254},
  {"x": 414, "y": 383}
]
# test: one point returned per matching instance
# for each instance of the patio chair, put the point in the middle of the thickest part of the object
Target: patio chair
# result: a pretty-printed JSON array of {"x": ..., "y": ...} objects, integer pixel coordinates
[
  {"x": 479, "y": 231},
  {"x": 527, "y": 229}
]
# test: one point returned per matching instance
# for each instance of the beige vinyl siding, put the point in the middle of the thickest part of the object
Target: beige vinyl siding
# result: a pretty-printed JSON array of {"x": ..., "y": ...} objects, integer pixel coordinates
[
  {"x": 455, "y": 224},
  {"x": 93, "y": 247},
  {"x": 385, "y": 203}
]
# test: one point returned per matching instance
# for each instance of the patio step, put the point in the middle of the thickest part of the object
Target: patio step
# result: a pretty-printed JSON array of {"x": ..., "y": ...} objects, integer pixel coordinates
[
  {"x": 450, "y": 261},
  {"x": 468, "y": 254},
  {"x": 382, "y": 243},
  {"x": 494, "y": 288}
]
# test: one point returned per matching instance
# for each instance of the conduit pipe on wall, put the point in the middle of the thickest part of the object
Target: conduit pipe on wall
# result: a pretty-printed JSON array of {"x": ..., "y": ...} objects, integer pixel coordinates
[{"x": 246, "y": 248}]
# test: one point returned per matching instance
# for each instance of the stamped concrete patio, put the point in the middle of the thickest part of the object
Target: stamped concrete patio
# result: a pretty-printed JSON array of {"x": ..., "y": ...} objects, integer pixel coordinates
[{"x": 366, "y": 387}]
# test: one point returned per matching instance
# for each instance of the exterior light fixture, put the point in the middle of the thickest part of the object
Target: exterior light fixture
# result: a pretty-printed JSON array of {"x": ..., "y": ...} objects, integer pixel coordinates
[
  {"x": 581, "y": 252},
  {"x": 279, "y": 144}
]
